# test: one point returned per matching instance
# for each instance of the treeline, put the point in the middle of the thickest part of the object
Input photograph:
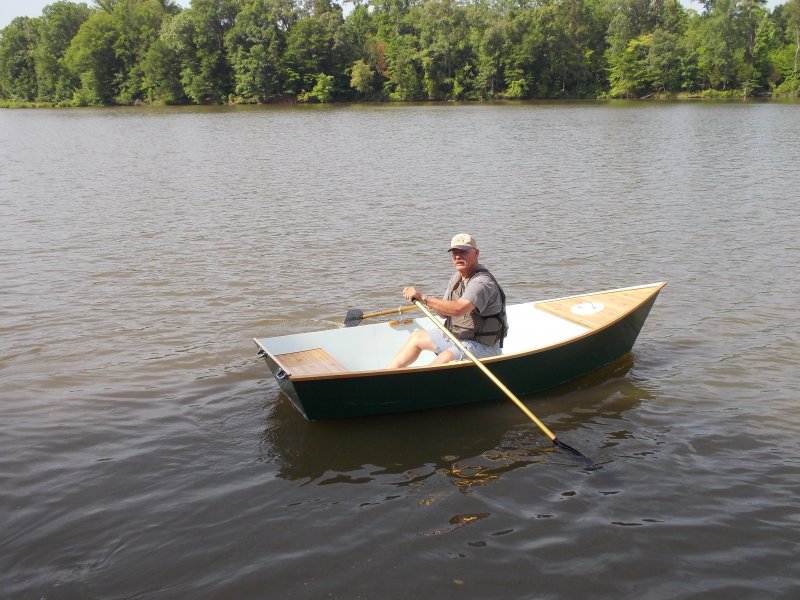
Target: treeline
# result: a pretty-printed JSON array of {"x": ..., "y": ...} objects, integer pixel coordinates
[{"x": 152, "y": 51}]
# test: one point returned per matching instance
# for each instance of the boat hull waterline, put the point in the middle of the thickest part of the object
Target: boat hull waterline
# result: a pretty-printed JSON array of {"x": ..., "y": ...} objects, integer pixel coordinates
[{"x": 338, "y": 373}]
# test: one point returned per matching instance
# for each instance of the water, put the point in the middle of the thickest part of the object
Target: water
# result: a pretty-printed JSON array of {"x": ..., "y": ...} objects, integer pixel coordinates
[{"x": 146, "y": 452}]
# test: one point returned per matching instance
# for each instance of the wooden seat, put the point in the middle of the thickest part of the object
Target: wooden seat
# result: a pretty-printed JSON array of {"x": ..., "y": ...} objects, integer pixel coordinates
[{"x": 316, "y": 361}]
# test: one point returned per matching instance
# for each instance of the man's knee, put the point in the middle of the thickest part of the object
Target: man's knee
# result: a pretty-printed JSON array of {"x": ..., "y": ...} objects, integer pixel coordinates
[
  {"x": 422, "y": 339},
  {"x": 420, "y": 335}
]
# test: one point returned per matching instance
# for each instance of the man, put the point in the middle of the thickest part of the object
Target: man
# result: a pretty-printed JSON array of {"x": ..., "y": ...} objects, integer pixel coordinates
[{"x": 474, "y": 306}]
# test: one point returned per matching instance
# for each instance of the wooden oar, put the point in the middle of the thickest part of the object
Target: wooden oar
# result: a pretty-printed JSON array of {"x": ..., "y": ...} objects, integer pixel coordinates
[
  {"x": 498, "y": 383},
  {"x": 355, "y": 316}
]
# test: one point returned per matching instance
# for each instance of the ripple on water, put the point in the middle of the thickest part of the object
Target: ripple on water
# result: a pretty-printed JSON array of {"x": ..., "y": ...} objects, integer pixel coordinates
[{"x": 152, "y": 454}]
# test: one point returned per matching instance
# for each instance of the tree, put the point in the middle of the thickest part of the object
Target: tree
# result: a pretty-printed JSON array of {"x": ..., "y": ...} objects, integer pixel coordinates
[
  {"x": 161, "y": 74},
  {"x": 442, "y": 32},
  {"x": 793, "y": 8},
  {"x": 139, "y": 23},
  {"x": 197, "y": 35},
  {"x": 488, "y": 38},
  {"x": 787, "y": 59},
  {"x": 523, "y": 56},
  {"x": 321, "y": 92},
  {"x": 308, "y": 54},
  {"x": 17, "y": 65},
  {"x": 767, "y": 42},
  {"x": 58, "y": 25},
  {"x": 255, "y": 46},
  {"x": 666, "y": 61},
  {"x": 628, "y": 46},
  {"x": 92, "y": 57},
  {"x": 631, "y": 74},
  {"x": 121, "y": 51},
  {"x": 106, "y": 5},
  {"x": 358, "y": 32},
  {"x": 361, "y": 77},
  {"x": 718, "y": 41},
  {"x": 631, "y": 18},
  {"x": 751, "y": 15},
  {"x": 404, "y": 80}
]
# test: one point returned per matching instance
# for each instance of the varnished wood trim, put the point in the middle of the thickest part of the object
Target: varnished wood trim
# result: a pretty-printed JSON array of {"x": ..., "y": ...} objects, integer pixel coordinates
[{"x": 616, "y": 304}]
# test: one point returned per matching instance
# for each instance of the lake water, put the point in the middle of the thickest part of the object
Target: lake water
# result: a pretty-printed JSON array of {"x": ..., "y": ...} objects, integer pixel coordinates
[{"x": 148, "y": 453}]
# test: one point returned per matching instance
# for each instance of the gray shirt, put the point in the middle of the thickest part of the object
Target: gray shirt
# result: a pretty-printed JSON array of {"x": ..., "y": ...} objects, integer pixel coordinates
[{"x": 480, "y": 289}]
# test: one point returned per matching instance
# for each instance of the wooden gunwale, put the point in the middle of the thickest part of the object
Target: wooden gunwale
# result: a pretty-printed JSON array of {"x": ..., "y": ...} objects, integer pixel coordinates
[{"x": 656, "y": 288}]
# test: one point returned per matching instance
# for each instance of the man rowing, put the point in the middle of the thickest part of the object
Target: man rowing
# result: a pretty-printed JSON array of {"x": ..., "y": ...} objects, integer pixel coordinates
[{"x": 474, "y": 307}]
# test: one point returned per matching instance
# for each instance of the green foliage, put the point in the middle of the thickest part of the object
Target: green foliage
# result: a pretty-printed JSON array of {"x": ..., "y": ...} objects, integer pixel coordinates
[
  {"x": 17, "y": 64},
  {"x": 127, "y": 51},
  {"x": 442, "y": 31},
  {"x": 58, "y": 25},
  {"x": 161, "y": 74},
  {"x": 518, "y": 88},
  {"x": 404, "y": 70},
  {"x": 139, "y": 23},
  {"x": 631, "y": 73},
  {"x": 308, "y": 53},
  {"x": 361, "y": 77},
  {"x": 487, "y": 66},
  {"x": 789, "y": 88},
  {"x": 93, "y": 58},
  {"x": 786, "y": 59},
  {"x": 206, "y": 73},
  {"x": 321, "y": 92},
  {"x": 256, "y": 44}
]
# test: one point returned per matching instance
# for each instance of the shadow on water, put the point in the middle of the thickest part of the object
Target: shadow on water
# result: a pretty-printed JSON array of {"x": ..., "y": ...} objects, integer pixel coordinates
[{"x": 471, "y": 443}]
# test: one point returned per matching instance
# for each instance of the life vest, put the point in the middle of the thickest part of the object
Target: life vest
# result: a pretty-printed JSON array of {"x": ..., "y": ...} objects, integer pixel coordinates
[{"x": 484, "y": 329}]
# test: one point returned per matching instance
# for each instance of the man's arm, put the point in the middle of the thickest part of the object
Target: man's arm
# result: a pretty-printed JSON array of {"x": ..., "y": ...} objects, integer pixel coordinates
[{"x": 446, "y": 308}]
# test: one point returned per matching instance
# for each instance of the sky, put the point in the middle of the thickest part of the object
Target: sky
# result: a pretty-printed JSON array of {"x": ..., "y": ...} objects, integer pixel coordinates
[{"x": 10, "y": 9}]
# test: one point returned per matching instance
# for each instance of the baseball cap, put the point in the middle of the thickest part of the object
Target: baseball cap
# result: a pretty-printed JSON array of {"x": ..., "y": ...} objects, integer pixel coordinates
[{"x": 463, "y": 241}]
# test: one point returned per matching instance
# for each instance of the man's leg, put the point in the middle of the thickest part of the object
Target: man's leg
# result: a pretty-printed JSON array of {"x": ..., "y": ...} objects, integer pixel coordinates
[
  {"x": 419, "y": 341},
  {"x": 444, "y": 357}
]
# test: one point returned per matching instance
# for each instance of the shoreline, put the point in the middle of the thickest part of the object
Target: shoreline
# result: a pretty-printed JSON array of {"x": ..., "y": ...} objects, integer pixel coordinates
[{"x": 12, "y": 104}]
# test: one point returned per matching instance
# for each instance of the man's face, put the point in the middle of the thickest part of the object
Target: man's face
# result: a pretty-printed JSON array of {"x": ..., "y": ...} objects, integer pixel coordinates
[{"x": 465, "y": 261}]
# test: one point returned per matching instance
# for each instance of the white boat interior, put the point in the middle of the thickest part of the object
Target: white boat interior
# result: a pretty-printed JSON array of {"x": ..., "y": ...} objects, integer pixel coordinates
[{"x": 532, "y": 325}]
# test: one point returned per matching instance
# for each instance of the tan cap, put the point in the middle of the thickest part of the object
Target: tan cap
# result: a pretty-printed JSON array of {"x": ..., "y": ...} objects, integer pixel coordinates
[{"x": 463, "y": 241}]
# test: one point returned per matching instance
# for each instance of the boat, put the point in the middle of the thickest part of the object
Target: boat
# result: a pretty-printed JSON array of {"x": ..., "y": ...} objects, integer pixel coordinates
[{"x": 340, "y": 373}]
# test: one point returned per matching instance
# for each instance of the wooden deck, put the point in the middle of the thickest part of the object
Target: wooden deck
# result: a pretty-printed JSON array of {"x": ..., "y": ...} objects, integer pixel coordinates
[
  {"x": 316, "y": 361},
  {"x": 597, "y": 310}
]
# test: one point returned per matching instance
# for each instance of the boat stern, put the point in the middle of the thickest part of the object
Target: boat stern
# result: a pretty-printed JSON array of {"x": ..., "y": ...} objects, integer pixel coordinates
[{"x": 282, "y": 377}]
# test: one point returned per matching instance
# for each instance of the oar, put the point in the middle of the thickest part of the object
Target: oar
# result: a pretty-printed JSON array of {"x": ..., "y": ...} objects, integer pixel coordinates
[
  {"x": 355, "y": 316},
  {"x": 499, "y": 383}
]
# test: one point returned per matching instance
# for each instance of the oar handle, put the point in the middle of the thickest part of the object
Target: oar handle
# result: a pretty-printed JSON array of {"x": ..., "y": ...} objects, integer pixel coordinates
[
  {"x": 488, "y": 373},
  {"x": 390, "y": 311}
]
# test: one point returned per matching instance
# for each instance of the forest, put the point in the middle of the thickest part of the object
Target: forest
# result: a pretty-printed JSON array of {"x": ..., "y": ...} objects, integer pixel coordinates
[{"x": 123, "y": 52}]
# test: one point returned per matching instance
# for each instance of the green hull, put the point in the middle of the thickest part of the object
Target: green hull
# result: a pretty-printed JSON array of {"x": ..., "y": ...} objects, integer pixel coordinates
[{"x": 378, "y": 392}]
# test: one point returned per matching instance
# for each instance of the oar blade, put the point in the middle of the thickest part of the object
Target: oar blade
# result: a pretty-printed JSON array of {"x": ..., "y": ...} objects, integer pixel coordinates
[
  {"x": 569, "y": 448},
  {"x": 354, "y": 317}
]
